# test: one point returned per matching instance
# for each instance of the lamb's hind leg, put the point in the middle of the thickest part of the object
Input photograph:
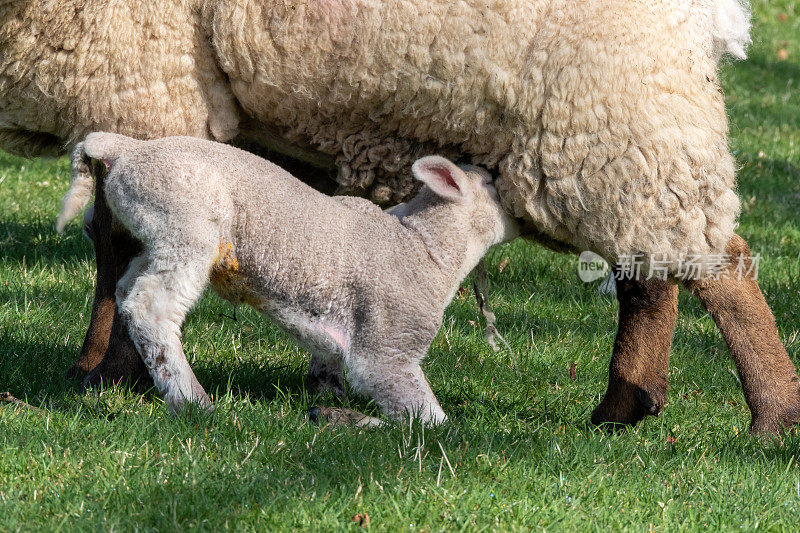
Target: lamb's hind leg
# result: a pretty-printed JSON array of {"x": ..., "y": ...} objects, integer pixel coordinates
[
  {"x": 768, "y": 377},
  {"x": 154, "y": 312},
  {"x": 637, "y": 376}
]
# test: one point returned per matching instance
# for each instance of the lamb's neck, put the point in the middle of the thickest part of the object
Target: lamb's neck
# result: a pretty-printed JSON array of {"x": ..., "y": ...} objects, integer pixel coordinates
[{"x": 448, "y": 248}]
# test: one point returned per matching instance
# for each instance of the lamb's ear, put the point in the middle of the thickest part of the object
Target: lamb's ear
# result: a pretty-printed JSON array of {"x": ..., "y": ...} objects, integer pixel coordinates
[{"x": 442, "y": 176}]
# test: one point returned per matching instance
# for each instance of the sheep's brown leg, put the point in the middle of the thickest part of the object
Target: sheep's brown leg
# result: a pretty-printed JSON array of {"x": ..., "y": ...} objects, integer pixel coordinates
[
  {"x": 105, "y": 340},
  {"x": 98, "y": 229},
  {"x": 96, "y": 340},
  {"x": 121, "y": 362},
  {"x": 768, "y": 377},
  {"x": 637, "y": 380}
]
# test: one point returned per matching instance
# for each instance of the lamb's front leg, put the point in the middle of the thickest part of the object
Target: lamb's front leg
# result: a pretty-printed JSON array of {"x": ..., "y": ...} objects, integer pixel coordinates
[{"x": 397, "y": 384}]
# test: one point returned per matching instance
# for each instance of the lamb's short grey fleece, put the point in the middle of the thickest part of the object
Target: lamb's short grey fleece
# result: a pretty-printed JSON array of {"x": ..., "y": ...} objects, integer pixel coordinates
[
  {"x": 605, "y": 118},
  {"x": 352, "y": 283}
]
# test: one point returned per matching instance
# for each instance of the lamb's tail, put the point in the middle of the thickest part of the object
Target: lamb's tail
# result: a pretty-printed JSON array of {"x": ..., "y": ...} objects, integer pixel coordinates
[
  {"x": 731, "y": 28},
  {"x": 105, "y": 147}
]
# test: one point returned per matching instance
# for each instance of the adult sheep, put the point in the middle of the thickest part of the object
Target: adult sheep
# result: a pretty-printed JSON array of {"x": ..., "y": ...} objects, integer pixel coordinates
[{"x": 606, "y": 123}]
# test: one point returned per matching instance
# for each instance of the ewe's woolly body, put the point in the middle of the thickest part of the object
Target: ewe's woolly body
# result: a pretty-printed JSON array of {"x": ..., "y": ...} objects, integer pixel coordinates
[{"x": 605, "y": 120}]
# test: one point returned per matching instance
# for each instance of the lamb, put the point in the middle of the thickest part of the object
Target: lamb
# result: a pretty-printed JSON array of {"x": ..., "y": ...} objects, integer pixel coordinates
[
  {"x": 606, "y": 124},
  {"x": 356, "y": 286}
]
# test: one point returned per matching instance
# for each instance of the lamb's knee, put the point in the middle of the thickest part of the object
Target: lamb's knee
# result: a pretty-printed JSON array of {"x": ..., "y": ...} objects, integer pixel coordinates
[
  {"x": 158, "y": 299},
  {"x": 140, "y": 303},
  {"x": 399, "y": 391},
  {"x": 135, "y": 269}
]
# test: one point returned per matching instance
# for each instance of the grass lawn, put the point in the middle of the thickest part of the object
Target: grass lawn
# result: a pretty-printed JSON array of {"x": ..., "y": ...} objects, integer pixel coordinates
[{"x": 519, "y": 453}]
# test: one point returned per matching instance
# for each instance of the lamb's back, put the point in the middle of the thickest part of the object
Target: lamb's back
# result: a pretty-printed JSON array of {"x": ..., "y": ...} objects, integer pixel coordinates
[{"x": 306, "y": 246}]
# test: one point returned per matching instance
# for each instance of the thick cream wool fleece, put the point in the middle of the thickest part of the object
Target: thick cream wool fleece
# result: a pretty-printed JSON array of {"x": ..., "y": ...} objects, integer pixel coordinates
[
  {"x": 605, "y": 120},
  {"x": 145, "y": 69}
]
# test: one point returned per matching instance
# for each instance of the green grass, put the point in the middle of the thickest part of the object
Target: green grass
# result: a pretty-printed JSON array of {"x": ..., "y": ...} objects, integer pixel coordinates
[{"x": 519, "y": 453}]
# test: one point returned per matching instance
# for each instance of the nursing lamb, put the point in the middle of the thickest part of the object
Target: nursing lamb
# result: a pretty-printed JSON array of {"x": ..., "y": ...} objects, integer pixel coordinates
[
  {"x": 356, "y": 286},
  {"x": 604, "y": 119}
]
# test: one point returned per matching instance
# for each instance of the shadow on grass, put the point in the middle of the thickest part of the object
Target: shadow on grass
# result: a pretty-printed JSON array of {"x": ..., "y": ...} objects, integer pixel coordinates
[
  {"x": 251, "y": 380},
  {"x": 34, "y": 369},
  {"x": 38, "y": 241}
]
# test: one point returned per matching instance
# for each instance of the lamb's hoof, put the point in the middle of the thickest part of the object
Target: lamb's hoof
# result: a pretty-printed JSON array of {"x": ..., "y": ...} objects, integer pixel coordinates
[
  {"x": 627, "y": 406},
  {"x": 339, "y": 416},
  {"x": 198, "y": 404},
  {"x": 200, "y": 397}
]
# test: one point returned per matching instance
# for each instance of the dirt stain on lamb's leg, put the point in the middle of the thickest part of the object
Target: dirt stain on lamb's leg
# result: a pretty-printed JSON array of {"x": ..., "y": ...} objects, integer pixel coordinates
[{"x": 229, "y": 282}]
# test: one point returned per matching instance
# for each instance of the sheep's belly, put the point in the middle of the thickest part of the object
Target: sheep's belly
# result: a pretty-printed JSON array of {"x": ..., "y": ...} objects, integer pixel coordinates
[{"x": 313, "y": 332}]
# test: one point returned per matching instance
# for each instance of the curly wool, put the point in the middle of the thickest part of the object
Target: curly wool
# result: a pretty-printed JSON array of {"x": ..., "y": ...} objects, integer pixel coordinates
[
  {"x": 606, "y": 123},
  {"x": 145, "y": 69}
]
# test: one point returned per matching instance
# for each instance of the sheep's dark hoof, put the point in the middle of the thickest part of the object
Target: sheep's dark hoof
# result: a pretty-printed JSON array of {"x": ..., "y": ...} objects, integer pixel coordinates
[
  {"x": 627, "y": 405},
  {"x": 121, "y": 364},
  {"x": 107, "y": 374},
  {"x": 339, "y": 416},
  {"x": 773, "y": 422},
  {"x": 75, "y": 373},
  {"x": 85, "y": 363}
]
